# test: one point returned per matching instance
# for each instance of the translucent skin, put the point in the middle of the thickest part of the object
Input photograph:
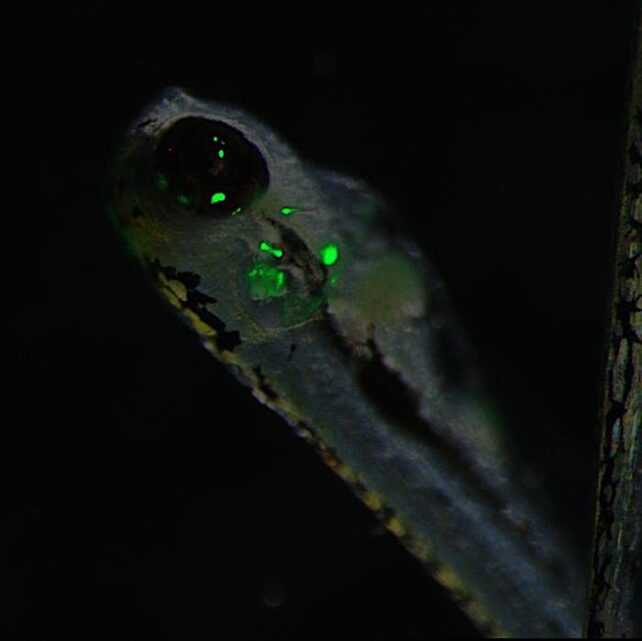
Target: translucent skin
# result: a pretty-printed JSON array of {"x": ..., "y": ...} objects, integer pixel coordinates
[{"x": 360, "y": 353}]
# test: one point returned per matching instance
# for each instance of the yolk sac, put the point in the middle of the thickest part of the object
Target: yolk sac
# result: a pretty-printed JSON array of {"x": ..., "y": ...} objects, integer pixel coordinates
[{"x": 209, "y": 167}]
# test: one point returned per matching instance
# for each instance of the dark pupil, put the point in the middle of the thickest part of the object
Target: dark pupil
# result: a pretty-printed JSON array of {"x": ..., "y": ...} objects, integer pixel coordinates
[{"x": 209, "y": 167}]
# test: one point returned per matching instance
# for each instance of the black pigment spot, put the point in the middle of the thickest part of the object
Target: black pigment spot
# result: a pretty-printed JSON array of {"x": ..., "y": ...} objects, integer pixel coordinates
[
  {"x": 263, "y": 384},
  {"x": 225, "y": 341},
  {"x": 140, "y": 125},
  {"x": 635, "y": 188},
  {"x": 624, "y": 311},
  {"x": 189, "y": 279},
  {"x": 197, "y": 302}
]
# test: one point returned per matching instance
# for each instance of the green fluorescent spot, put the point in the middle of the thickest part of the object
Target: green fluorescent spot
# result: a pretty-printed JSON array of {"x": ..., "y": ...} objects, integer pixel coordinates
[
  {"x": 215, "y": 138},
  {"x": 183, "y": 199},
  {"x": 265, "y": 281},
  {"x": 286, "y": 211},
  {"x": 329, "y": 254},
  {"x": 221, "y": 153},
  {"x": 218, "y": 197},
  {"x": 264, "y": 246},
  {"x": 236, "y": 211},
  {"x": 161, "y": 181}
]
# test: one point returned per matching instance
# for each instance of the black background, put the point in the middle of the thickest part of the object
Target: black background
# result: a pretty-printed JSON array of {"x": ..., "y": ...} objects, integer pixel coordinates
[{"x": 147, "y": 494}]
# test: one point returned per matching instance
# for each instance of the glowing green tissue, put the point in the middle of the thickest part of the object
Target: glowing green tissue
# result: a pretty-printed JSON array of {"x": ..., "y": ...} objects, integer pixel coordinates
[
  {"x": 265, "y": 281},
  {"x": 329, "y": 254},
  {"x": 264, "y": 246},
  {"x": 161, "y": 181}
]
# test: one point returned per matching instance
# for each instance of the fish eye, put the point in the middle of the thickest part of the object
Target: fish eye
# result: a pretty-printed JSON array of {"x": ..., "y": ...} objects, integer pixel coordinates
[{"x": 209, "y": 167}]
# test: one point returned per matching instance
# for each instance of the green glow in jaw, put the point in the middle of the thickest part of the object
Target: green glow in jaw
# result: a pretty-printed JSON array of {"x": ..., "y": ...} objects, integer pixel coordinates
[
  {"x": 265, "y": 281},
  {"x": 264, "y": 246},
  {"x": 286, "y": 211},
  {"x": 329, "y": 254},
  {"x": 218, "y": 197}
]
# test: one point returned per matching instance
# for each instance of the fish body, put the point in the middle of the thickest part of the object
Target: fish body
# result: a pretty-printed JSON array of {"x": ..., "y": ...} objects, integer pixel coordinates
[{"x": 304, "y": 284}]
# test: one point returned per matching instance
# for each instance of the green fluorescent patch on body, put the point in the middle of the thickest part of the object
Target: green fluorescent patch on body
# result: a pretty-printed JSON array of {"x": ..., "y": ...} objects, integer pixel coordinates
[
  {"x": 218, "y": 197},
  {"x": 264, "y": 246},
  {"x": 329, "y": 254},
  {"x": 286, "y": 211},
  {"x": 265, "y": 281},
  {"x": 161, "y": 181},
  {"x": 221, "y": 153},
  {"x": 183, "y": 199}
]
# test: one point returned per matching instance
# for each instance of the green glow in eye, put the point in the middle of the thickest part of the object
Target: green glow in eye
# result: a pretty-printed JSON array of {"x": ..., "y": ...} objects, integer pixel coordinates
[
  {"x": 286, "y": 211},
  {"x": 265, "y": 281},
  {"x": 161, "y": 181},
  {"x": 183, "y": 199},
  {"x": 221, "y": 153},
  {"x": 264, "y": 246},
  {"x": 215, "y": 138},
  {"x": 329, "y": 254},
  {"x": 218, "y": 197}
]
